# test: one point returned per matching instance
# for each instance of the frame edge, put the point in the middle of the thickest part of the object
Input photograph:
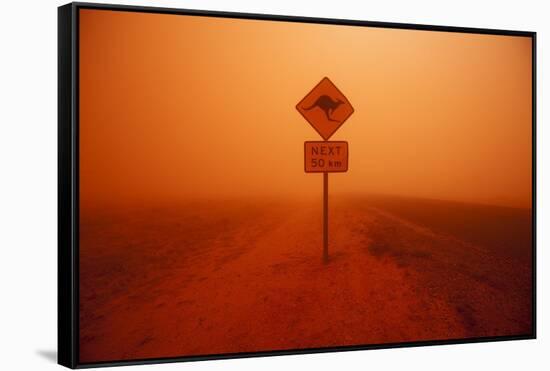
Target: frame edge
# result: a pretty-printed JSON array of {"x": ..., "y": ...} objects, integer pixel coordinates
[
  {"x": 66, "y": 293},
  {"x": 534, "y": 180},
  {"x": 300, "y": 19}
]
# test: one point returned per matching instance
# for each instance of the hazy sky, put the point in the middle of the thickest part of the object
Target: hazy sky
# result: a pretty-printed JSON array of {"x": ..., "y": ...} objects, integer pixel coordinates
[{"x": 178, "y": 106}]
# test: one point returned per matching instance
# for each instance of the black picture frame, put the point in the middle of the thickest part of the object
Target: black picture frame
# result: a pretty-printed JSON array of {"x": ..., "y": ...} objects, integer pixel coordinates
[{"x": 68, "y": 179}]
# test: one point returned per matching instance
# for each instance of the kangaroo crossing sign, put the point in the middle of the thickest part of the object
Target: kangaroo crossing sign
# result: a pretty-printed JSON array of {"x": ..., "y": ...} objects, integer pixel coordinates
[{"x": 326, "y": 109}]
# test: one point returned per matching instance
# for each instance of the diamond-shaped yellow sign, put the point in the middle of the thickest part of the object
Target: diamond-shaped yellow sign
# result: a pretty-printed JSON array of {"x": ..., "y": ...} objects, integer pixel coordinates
[{"x": 325, "y": 108}]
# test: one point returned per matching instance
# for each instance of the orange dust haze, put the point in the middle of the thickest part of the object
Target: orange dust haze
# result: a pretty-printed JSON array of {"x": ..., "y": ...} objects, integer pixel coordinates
[{"x": 173, "y": 107}]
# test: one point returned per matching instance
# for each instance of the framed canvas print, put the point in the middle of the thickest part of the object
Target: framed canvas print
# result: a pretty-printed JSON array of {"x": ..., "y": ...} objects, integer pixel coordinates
[{"x": 235, "y": 185}]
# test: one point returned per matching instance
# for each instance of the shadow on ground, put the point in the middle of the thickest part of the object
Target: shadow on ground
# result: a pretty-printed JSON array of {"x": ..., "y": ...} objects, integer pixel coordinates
[{"x": 50, "y": 355}]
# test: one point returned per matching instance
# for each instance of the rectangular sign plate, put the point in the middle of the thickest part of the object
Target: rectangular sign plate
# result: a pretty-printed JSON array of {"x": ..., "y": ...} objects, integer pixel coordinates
[{"x": 326, "y": 157}]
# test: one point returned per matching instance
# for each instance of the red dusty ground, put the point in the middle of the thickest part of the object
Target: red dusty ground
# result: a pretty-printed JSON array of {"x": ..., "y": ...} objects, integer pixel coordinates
[{"x": 233, "y": 276}]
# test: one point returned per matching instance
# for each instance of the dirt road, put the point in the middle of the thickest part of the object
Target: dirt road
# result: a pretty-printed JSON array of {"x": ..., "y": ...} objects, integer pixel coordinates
[{"x": 233, "y": 276}]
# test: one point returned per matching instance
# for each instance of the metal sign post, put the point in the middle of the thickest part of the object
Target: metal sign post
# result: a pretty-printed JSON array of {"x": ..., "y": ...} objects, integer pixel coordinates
[{"x": 326, "y": 109}]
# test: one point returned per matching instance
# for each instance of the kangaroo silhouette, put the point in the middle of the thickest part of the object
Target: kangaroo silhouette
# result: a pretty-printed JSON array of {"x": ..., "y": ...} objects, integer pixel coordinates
[{"x": 327, "y": 104}]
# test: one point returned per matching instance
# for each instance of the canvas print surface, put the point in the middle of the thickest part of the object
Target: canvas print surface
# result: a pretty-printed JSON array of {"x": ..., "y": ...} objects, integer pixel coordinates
[{"x": 202, "y": 232}]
